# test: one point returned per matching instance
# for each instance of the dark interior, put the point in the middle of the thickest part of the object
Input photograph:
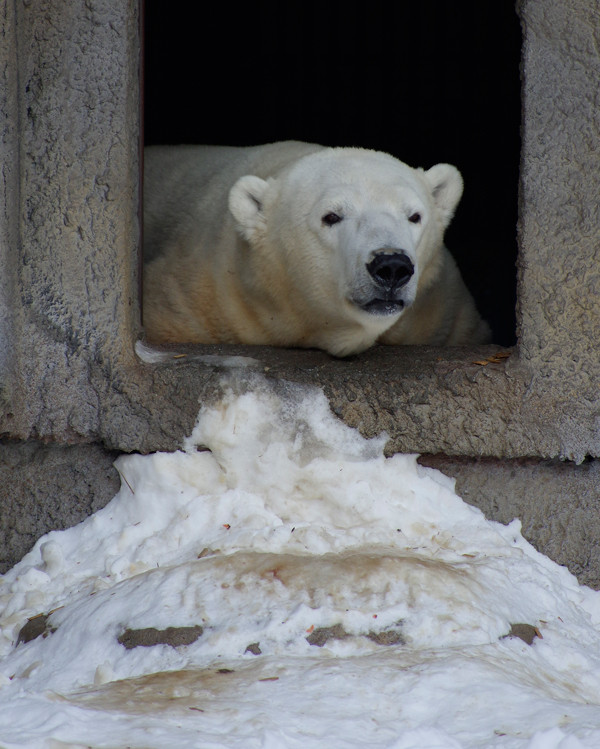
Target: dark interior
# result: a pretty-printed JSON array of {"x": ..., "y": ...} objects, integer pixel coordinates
[{"x": 433, "y": 81}]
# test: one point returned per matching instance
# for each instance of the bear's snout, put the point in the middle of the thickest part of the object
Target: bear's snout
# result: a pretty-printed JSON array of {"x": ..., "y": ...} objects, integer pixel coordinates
[{"x": 391, "y": 271}]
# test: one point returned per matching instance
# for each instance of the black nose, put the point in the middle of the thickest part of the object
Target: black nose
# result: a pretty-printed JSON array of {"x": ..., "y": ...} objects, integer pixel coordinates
[{"x": 391, "y": 270}]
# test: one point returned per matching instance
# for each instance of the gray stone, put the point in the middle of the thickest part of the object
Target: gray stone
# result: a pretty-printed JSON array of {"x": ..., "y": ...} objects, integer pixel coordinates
[
  {"x": 49, "y": 487},
  {"x": 557, "y": 504}
]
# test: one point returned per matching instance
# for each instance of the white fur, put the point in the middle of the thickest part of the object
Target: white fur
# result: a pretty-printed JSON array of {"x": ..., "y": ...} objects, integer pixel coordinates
[{"x": 240, "y": 248}]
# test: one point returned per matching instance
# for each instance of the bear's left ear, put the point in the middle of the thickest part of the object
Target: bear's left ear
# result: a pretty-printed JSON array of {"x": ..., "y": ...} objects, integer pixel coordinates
[
  {"x": 446, "y": 187},
  {"x": 246, "y": 203}
]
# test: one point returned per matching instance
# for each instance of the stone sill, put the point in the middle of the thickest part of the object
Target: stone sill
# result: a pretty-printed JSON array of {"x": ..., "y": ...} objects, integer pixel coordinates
[
  {"x": 459, "y": 401},
  {"x": 455, "y": 401}
]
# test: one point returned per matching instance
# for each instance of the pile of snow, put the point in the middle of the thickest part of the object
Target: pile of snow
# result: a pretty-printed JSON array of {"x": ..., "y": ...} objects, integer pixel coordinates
[{"x": 280, "y": 583}]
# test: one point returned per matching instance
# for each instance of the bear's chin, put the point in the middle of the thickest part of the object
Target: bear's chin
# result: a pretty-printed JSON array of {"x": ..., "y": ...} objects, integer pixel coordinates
[{"x": 383, "y": 307}]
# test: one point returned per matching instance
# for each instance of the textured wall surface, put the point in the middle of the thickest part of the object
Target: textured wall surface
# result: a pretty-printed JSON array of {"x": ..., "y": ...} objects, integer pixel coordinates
[
  {"x": 560, "y": 182},
  {"x": 72, "y": 87},
  {"x": 49, "y": 487},
  {"x": 70, "y": 373},
  {"x": 557, "y": 504},
  {"x": 69, "y": 306}
]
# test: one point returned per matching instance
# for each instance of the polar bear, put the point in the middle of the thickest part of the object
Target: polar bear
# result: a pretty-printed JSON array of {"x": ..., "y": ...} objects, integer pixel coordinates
[{"x": 296, "y": 244}]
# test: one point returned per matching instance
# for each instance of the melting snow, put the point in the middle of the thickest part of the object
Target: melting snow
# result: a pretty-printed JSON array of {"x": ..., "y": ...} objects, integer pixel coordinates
[{"x": 280, "y": 583}]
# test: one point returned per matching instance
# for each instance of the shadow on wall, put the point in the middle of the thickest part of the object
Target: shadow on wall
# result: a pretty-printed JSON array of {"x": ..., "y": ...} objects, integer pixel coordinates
[{"x": 427, "y": 82}]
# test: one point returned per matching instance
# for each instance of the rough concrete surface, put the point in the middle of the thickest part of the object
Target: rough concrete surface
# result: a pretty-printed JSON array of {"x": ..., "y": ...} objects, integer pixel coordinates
[
  {"x": 49, "y": 487},
  {"x": 556, "y": 502},
  {"x": 559, "y": 224},
  {"x": 69, "y": 372}
]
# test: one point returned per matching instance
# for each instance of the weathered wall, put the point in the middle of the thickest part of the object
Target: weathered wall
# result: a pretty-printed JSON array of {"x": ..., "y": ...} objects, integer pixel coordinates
[
  {"x": 69, "y": 375},
  {"x": 556, "y": 502},
  {"x": 71, "y": 76},
  {"x": 559, "y": 227},
  {"x": 46, "y": 487}
]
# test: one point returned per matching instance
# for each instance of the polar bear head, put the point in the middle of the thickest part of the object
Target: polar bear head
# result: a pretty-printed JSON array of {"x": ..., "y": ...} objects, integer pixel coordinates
[{"x": 360, "y": 232}]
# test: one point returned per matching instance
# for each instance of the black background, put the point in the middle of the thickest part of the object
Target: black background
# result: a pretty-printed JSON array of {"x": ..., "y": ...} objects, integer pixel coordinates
[{"x": 425, "y": 81}]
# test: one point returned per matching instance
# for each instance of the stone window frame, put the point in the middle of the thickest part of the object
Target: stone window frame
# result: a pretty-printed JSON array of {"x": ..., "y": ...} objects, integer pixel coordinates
[{"x": 70, "y": 290}]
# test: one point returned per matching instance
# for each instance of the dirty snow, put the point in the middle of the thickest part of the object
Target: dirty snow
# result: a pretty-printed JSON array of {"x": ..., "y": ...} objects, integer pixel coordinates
[{"x": 331, "y": 597}]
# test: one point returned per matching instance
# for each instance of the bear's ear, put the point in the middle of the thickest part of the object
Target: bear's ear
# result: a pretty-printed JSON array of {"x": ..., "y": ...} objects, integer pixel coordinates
[
  {"x": 446, "y": 187},
  {"x": 246, "y": 203}
]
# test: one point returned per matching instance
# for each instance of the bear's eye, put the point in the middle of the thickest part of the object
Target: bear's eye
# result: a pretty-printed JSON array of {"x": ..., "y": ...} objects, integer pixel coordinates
[
  {"x": 415, "y": 218},
  {"x": 329, "y": 219}
]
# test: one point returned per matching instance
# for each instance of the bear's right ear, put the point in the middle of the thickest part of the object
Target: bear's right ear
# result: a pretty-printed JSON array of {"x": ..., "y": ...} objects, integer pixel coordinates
[{"x": 246, "y": 203}]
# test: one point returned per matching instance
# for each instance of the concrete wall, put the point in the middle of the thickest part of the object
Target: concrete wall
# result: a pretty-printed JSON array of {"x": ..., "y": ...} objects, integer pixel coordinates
[
  {"x": 49, "y": 487},
  {"x": 69, "y": 301},
  {"x": 556, "y": 502}
]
